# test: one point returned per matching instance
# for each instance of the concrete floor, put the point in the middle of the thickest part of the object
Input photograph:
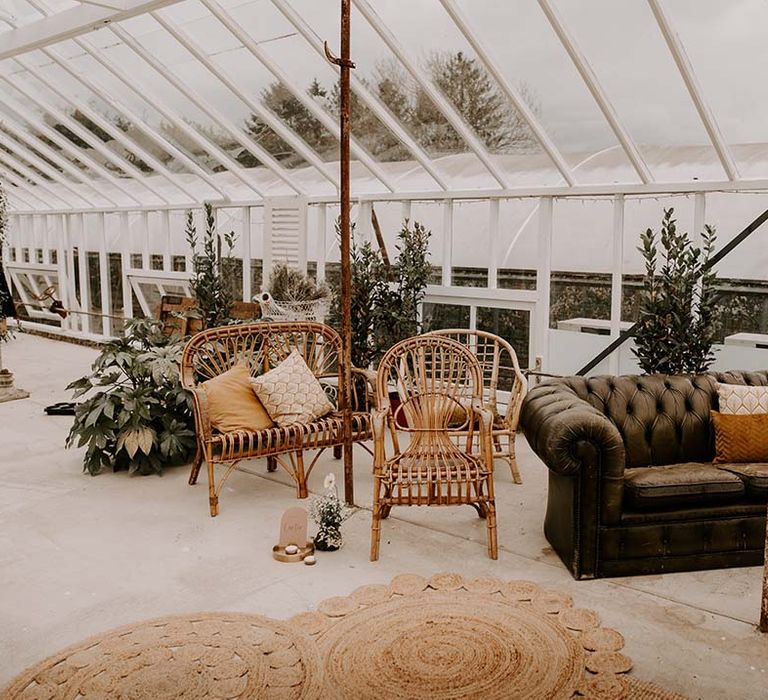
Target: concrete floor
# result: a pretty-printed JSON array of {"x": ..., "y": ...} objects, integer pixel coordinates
[{"x": 80, "y": 555}]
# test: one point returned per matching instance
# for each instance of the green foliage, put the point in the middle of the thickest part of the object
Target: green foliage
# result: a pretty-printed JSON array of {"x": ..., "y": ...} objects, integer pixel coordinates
[
  {"x": 385, "y": 303},
  {"x": 464, "y": 81},
  {"x": 213, "y": 276},
  {"x": 368, "y": 279},
  {"x": 137, "y": 415},
  {"x": 287, "y": 284},
  {"x": 468, "y": 85},
  {"x": 678, "y": 307},
  {"x": 295, "y": 116},
  {"x": 397, "y": 311}
]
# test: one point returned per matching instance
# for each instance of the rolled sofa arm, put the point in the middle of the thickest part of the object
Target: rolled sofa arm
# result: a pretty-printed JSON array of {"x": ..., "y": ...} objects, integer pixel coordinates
[{"x": 557, "y": 423}]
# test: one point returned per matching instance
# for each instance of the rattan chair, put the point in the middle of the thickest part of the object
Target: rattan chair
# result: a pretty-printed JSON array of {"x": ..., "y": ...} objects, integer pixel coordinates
[
  {"x": 436, "y": 378},
  {"x": 264, "y": 346},
  {"x": 504, "y": 388}
]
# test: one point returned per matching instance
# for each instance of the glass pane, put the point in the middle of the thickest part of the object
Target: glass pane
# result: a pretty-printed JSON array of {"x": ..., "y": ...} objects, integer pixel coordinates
[
  {"x": 437, "y": 316},
  {"x": 511, "y": 324},
  {"x": 649, "y": 95},
  {"x": 726, "y": 67},
  {"x": 471, "y": 244}
]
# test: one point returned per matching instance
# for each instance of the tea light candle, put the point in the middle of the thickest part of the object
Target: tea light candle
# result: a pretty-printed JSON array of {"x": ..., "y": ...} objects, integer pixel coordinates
[
  {"x": 310, "y": 560},
  {"x": 291, "y": 549}
]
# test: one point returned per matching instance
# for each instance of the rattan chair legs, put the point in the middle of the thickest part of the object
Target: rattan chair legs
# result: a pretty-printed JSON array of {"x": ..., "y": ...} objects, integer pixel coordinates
[{"x": 196, "y": 464}]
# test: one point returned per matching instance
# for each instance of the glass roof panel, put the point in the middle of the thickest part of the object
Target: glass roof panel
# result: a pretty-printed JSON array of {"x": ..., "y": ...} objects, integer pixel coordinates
[
  {"x": 726, "y": 68},
  {"x": 628, "y": 53}
]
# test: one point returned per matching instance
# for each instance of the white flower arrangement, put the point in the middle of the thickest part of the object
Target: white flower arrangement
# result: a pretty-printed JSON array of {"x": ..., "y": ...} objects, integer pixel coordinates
[{"x": 329, "y": 512}]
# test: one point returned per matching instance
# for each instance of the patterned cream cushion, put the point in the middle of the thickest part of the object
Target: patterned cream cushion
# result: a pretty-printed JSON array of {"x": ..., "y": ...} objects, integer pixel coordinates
[
  {"x": 739, "y": 400},
  {"x": 291, "y": 393}
]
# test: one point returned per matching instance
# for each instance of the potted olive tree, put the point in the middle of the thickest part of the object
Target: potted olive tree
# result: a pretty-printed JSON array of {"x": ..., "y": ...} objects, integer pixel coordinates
[{"x": 678, "y": 306}]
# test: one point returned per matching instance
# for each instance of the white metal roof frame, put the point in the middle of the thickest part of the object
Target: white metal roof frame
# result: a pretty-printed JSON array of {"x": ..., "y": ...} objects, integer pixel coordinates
[{"x": 27, "y": 170}]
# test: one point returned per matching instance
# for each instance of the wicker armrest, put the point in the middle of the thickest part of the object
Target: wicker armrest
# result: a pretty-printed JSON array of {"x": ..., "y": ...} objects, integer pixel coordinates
[
  {"x": 484, "y": 412},
  {"x": 370, "y": 384},
  {"x": 202, "y": 415}
]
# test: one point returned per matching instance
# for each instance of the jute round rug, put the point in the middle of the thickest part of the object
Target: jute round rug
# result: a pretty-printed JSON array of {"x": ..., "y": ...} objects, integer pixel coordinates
[
  {"x": 215, "y": 655},
  {"x": 449, "y": 637},
  {"x": 444, "y": 637}
]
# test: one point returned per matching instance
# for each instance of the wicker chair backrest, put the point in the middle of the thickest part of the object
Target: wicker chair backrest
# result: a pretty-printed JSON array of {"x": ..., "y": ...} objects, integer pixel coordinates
[
  {"x": 263, "y": 346},
  {"x": 436, "y": 380}
]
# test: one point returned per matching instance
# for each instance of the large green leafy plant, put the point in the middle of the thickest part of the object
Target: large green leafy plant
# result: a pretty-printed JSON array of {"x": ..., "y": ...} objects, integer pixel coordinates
[
  {"x": 678, "y": 307},
  {"x": 213, "y": 270},
  {"x": 137, "y": 416}
]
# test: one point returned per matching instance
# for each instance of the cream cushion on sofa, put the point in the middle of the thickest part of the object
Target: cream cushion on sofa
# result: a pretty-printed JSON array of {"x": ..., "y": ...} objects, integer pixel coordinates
[
  {"x": 741, "y": 400},
  {"x": 291, "y": 393}
]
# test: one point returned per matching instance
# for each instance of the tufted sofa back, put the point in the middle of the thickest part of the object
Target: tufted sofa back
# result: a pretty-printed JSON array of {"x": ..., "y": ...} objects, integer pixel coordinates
[{"x": 662, "y": 419}]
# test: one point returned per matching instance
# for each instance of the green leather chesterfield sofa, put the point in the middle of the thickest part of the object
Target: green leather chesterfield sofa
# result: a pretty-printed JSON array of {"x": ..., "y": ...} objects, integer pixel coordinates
[{"x": 632, "y": 487}]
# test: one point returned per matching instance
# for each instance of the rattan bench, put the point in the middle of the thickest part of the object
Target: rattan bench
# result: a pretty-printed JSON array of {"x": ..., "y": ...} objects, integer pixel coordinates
[{"x": 264, "y": 346}]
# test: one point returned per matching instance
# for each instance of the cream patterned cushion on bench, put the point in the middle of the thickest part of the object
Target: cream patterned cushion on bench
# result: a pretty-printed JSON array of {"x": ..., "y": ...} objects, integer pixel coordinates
[
  {"x": 740, "y": 400},
  {"x": 291, "y": 393}
]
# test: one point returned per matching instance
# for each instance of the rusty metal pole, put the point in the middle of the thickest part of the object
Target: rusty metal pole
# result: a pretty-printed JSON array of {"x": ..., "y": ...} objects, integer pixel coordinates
[
  {"x": 764, "y": 604},
  {"x": 346, "y": 65}
]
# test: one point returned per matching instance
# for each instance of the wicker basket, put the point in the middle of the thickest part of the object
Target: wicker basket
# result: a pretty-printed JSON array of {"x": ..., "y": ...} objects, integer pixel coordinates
[{"x": 292, "y": 310}]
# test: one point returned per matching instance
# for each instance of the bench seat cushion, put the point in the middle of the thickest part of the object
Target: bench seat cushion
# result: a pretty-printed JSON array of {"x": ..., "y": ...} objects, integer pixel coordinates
[
  {"x": 680, "y": 485},
  {"x": 324, "y": 432}
]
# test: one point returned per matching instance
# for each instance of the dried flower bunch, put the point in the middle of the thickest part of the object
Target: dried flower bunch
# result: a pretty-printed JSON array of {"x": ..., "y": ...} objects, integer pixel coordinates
[{"x": 328, "y": 512}]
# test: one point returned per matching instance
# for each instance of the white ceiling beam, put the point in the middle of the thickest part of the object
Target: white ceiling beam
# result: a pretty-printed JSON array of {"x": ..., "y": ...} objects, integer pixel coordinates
[
  {"x": 366, "y": 95},
  {"x": 141, "y": 123},
  {"x": 276, "y": 124},
  {"x": 98, "y": 119},
  {"x": 582, "y": 65},
  {"x": 694, "y": 90},
  {"x": 111, "y": 4},
  {"x": 443, "y": 105},
  {"x": 67, "y": 146},
  {"x": 44, "y": 168},
  {"x": 298, "y": 92},
  {"x": 81, "y": 179},
  {"x": 69, "y": 24},
  {"x": 119, "y": 136},
  {"x": 13, "y": 194},
  {"x": 219, "y": 119},
  {"x": 13, "y": 161},
  {"x": 84, "y": 134},
  {"x": 512, "y": 93},
  {"x": 23, "y": 185}
]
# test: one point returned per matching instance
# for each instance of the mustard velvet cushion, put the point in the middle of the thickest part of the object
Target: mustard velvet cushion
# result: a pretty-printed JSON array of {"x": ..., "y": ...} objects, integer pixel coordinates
[
  {"x": 232, "y": 405},
  {"x": 740, "y": 400},
  {"x": 291, "y": 393},
  {"x": 740, "y": 439}
]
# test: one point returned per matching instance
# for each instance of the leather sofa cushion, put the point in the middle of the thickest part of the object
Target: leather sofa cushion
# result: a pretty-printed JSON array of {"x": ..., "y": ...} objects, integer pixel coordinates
[
  {"x": 754, "y": 475},
  {"x": 677, "y": 485}
]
